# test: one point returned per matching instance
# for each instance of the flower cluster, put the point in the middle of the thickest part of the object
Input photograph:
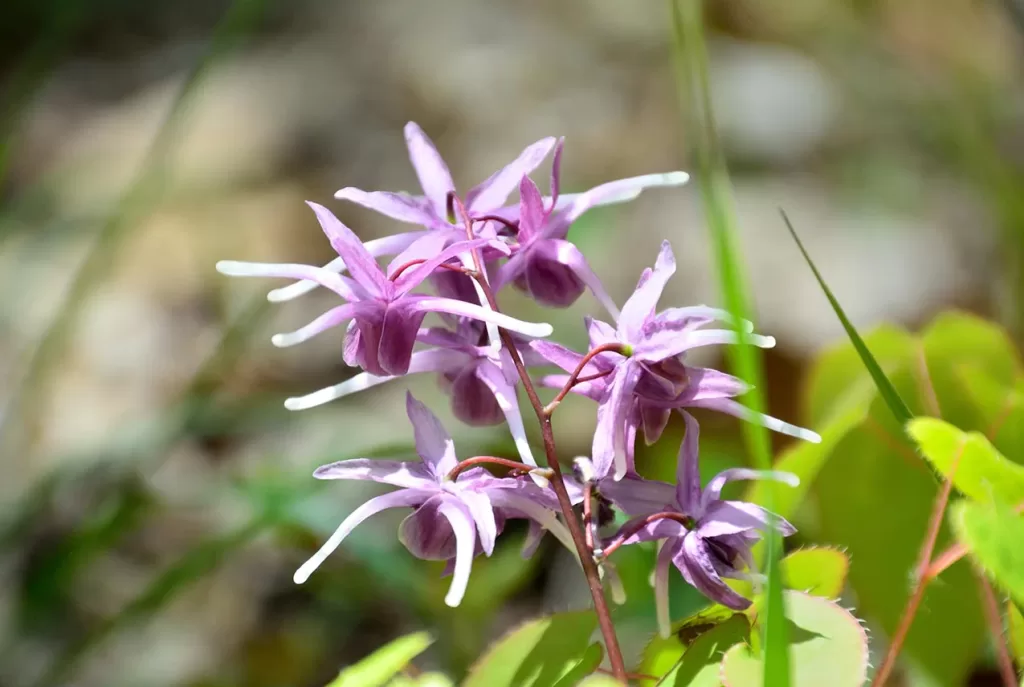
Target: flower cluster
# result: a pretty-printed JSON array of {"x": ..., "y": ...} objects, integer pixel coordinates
[{"x": 467, "y": 248}]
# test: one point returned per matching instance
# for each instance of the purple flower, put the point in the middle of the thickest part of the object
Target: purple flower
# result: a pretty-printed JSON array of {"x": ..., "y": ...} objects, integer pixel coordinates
[
  {"x": 386, "y": 316},
  {"x": 480, "y": 377},
  {"x": 639, "y": 385},
  {"x": 715, "y": 542},
  {"x": 545, "y": 265},
  {"x": 454, "y": 519}
]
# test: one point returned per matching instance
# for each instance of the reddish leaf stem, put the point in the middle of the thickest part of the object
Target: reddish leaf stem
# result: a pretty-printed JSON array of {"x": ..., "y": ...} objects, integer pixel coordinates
[{"x": 574, "y": 378}]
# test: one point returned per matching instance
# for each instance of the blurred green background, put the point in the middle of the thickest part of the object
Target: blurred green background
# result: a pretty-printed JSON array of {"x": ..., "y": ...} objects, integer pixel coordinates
[{"x": 156, "y": 496}]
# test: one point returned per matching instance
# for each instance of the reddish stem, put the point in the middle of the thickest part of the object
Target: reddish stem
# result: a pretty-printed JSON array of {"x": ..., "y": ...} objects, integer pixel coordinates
[
  {"x": 512, "y": 226},
  {"x": 640, "y": 524},
  {"x": 995, "y": 627},
  {"x": 486, "y": 460},
  {"x": 604, "y": 618},
  {"x": 921, "y": 580},
  {"x": 412, "y": 263},
  {"x": 574, "y": 378}
]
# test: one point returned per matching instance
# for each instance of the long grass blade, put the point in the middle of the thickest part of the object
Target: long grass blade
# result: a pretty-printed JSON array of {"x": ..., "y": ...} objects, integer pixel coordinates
[
  {"x": 716, "y": 193},
  {"x": 889, "y": 394}
]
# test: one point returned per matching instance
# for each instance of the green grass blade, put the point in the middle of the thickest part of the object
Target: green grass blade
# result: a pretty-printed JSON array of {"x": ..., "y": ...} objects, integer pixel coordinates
[
  {"x": 892, "y": 398},
  {"x": 716, "y": 191}
]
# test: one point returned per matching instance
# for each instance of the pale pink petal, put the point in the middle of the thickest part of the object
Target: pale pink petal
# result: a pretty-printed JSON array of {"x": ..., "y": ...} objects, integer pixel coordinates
[
  {"x": 345, "y": 288},
  {"x": 393, "y": 472},
  {"x": 398, "y": 499},
  {"x": 435, "y": 179},
  {"x": 569, "y": 255},
  {"x": 505, "y": 395},
  {"x": 734, "y": 517},
  {"x": 433, "y": 443},
  {"x": 687, "y": 468},
  {"x": 465, "y": 547},
  {"x": 731, "y": 407},
  {"x": 361, "y": 265},
  {"x": 640, "y": 307},
  {"x": 714, "y": 488},
  {"x": 494, "y": 191},
  {"x": 479, "y": 506},
  {"x": 454, "y": 307},
  {"x": 399, "y": 206},
  {"x": 531, "y": 210},
  {"x": 331, "y": 318},
  {"x": 413, "y": 277}
]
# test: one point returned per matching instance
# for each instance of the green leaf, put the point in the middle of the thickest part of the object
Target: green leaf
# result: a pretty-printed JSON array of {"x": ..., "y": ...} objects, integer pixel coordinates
[
  {"x": 874, "y": 497},
  {"x": 892, "y": 398},
  {"x": 828, "y": 646},
  {"x": 662, "y": 654},
  {"x": 424, "y": 680},
  {"x": 539, "y": 653},
  {"x": 588, "y": 664},
  {"x": 838, "y": 380},
  {"x": 380, "y": 666},
  {"x": 1015, "y": 631},
  {"x": 995, "y": 538},
  {"x": 701, "y": 663},
  {"x": 818, "y": 570},
  {"x": 982, "y": 473}
]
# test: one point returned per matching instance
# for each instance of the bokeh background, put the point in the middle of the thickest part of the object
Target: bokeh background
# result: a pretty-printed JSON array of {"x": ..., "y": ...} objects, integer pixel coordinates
[{"x": 155, "y": 496}]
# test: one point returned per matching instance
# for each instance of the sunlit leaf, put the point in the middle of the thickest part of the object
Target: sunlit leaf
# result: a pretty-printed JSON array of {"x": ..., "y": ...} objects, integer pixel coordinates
[
  {"x": 536, "y": 654},
  {"x": 380, "y": 666},
  {"x": 1015, "y": 631},
  {"x": 701, "y": 663},
  {"x": 828, "y": 646},
  {"x": 982, "y": 472},
  {"x": 662, "y": 654},
  {"x": 588, "y": 664},
  {"x": 995, "y": 538},
  {"x": 818, "y": 571}
]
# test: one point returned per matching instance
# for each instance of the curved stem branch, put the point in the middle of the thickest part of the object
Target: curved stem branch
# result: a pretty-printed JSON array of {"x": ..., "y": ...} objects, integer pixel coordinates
[
  {"x": 640, "y": 524},
  {"x": 487, "y": 460},
  {"x": 590, "y": 570},
  {"x": 575, "y": 379}
]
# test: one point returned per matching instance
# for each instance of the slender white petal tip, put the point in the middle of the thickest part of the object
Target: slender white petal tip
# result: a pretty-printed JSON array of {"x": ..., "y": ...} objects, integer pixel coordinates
[
  {"x": 304, "y": 571},
  {"x": 762, "y": 341},
  {"x": 676, "y": 178},
  {"x": 787, "y": 478},
  {"x": 286, "y": 340},
  {"x": 585, "y": 469},
  {"x": 808, "y": 435},
  {"x": 290, "y": 292},
  {"x": 237, "y": 268},
  {"x": 453, "y": 598},
  {"x": 537, "y": 330}
]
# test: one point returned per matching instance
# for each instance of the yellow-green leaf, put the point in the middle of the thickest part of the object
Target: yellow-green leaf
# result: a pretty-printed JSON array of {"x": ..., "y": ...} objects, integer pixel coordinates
[{"x": 380, "y": 666}]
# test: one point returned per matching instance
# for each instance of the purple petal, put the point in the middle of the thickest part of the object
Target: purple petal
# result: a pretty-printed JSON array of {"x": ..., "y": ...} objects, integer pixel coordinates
[
  {"x": 654, "y": 421},
  {"x": 361, "y": 265},
  {"x": 714, "y": 489},
  {"x": 461, "y": 521},
  {"x": 662, "y": 528},
  {"x": 472, "y": 400},
  {"x": 433, "y": 444},
  {"x": 559, "y": 355},
  {"x": 595, "y": 389},
  {"x": 494, "y": 191},
  {"x": 731, "y": 407},
  {"x": 705, "y": 383},
  {"x": 397, "y": 499},
  {"x": 362, "y": 348},
  {"x": 331, "y": 318},
  {"x": 412, "y": 278},
  {"x": 531, "y": 210},
  {"x": 387, "y": 245},
  {"x": 435, "y": 360},
  {"x": 398, "y": 337},
  {"x": 556, "y": 173},
  {"x": 657, "y": 343},
  {"x": 511, "y": 271},
  {"x": 694, "y": 316},
  {"x": 695, "y": 563},
  {"x": 599, "y": 332},
  {"x": 535, "y": 509},
  {"x": 609, "y": 447},
  {"x": 345, "y": 288},
  {"x": 463, "y": 309},
  {"x": 569, "y": 255},
  {"x": 733, "y": 517},
  {"x": 399, "y": 206},
  {"x": 641, "y": 305},
  {"x": 504, "y": 394},
  {"x": 426, "y": 534},
  {"x": 619, "y": 191},
  {"x": 435, "y": 179},
  {"x": 427, "y": 246},
  {"x": 547, "y": 280},
  {"x": 688, "y": 470},
  {"x": 534, "y": 535},
  {"x": 666, "y": 553},
  {"x": 479, "y": 507},
  {"x": 393, "y": 472}
]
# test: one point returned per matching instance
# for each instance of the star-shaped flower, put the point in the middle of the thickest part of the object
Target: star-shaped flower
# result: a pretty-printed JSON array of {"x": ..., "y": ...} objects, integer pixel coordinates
[{"x": 454, "y": 518}]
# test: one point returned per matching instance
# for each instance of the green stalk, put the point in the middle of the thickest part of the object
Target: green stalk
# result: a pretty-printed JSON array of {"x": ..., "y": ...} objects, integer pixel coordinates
[{"x": 691, "y": 62}]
